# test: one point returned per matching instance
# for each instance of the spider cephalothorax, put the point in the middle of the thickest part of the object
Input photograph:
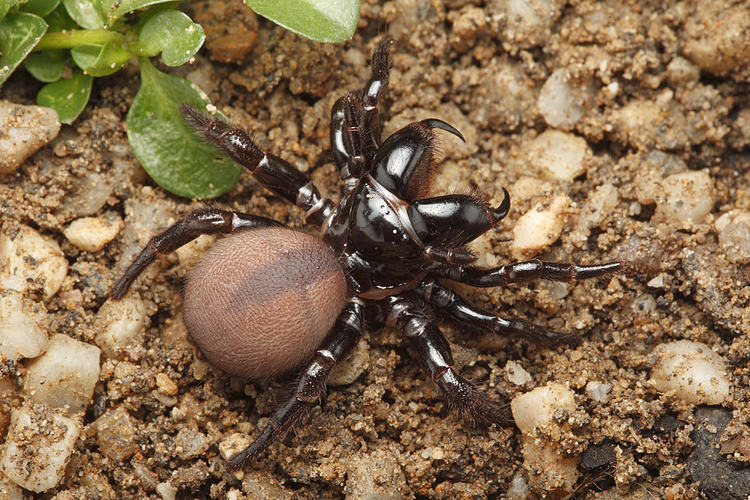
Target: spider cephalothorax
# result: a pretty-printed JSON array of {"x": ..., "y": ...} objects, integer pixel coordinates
[{"x": 268, "y": 299}]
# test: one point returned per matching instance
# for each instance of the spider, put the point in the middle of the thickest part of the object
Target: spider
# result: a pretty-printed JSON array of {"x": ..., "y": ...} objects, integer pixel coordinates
[{"x": 268, "y": 299}]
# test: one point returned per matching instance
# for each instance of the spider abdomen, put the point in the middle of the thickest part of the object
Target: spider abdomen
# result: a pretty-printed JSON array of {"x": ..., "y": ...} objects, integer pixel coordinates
[{"x": 260, "y": 302}]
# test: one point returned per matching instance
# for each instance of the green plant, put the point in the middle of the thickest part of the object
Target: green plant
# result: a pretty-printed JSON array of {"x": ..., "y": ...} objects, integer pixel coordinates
[{"x": 66, "y": 43}]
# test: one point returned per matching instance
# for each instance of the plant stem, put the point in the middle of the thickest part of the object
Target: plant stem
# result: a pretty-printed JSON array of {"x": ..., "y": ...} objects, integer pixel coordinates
[{"x": 73, "y": 38}]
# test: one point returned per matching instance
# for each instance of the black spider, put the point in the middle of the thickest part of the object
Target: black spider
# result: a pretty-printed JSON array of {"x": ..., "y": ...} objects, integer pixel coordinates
[{"x": 268, "y": 299}]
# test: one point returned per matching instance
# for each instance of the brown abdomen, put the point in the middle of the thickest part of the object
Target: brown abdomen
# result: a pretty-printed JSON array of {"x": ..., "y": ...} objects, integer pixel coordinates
[{"x": 259, "y": 302}]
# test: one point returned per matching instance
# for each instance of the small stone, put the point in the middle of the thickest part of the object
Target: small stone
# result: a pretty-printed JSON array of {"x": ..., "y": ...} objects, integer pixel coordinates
[
  {"x": 115, "y": 435},
  {"x": 558, "y": 103},
  {"x": 38, "y": 445},
  {"x": 681, "y": 71},
  {"x": 519, "y": 488},
  {"x": 25, "y": 129},
  {"x": 166, "y": 491},
  {"x": 560, "y": 155},
  {"x": 351, "y": 367},
  {"x": 232, "y": 445},
  {"x": 528, "y": 22},
  {"x": 656, "y": 282},
  {"x": 598, "y": 391},
  {"x": 539, "y": 227},
  {"x": 121, "y": 325},
  {"x": 23, "y": 327},
  {"x": 686, "y": 198},
  {"x": 65, "y": 375},
  {"x": 715, "y": 36},
  {"x": 734, "y": 235},
  {"x": 30, "y": 261},
  {"x": 471, "y": 23},
  {"x": 537, "y": 407},
  {"x": 515, "y": 373},
  {"x": 165, "y": 384},
  {"x": 189, "y": 443},
  {"x": 692, "y": 371},
  {"x": 91, "y": 234},
  {"x": 598, "y": 455},
  {"x": 376, "y": 474}
]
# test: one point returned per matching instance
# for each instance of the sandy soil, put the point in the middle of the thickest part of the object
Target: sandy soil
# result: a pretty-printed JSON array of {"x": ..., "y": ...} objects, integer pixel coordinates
[{"x": 388, "y": 432}]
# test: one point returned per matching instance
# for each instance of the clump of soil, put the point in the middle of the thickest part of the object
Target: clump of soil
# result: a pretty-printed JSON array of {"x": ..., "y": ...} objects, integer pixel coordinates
[{"x": 656, "y": 91}]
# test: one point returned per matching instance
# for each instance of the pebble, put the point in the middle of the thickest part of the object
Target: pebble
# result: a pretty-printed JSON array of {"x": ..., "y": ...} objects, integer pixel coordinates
[
  {"x": 547, "y": 466},
  {"x": 64, "y": 376},
  {"x": 691, "y": 371},
  {"x": 515, "y": 373},
  {"x": 600, "y": 204},
  {"x": 528, "y": 22},
  {"x": 25, "y": 129},
  {"x": 91, "y": 234},
  {"x": 686, "y": 198},
  {"x": 375, "y": 475},
  {"x": 190, "y": 443},
  {"x": 539, "y": 227},
  {"x": 598, "y": 391},
  {"x": 232, "y": 445},
  {"x": 652, "y": 123},
  {"x": 28, "y": 260},
  {"x": 715, "y": 36},
  {"x": 680, "y": 71},
  {"x": 518, "y": 489},
  {"x": 23, "y": 324},
  {"x": 352, "y": 366},
  {"x": 39, "y": 443},
  {"x": 559, "y": 155},
  {"x": 734, "y": 235},
  {"x": 472, "y": 22},
  {"x": 121, "y": 325},
  {"x": 115, "y": 435},
  {"x": 165, "y": 384},
  {"x": 558, "y": 103},
  {"x": 166, "y": 491}
]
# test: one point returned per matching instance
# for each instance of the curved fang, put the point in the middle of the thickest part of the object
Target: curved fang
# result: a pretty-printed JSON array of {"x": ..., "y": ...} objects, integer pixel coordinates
[
  {"x": 436, "y": 123},
  {"x": 502, "y": 210}
]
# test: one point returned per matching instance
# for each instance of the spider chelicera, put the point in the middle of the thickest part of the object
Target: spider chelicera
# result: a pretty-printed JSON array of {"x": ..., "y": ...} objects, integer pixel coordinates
[{"x": 269, "y": 298}]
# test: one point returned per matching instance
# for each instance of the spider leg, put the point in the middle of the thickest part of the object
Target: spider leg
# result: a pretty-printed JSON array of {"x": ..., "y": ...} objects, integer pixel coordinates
[
  {"x": 441, "y": 296},
  {"x": 198, "y": 222},
  {"x": 522, "y": 272},
  {"x": 311, "y": 385},
  {"x": 273, "y": 172},
  {"x": 355, "y": 121},
  {"x": 433, "y": 353}
]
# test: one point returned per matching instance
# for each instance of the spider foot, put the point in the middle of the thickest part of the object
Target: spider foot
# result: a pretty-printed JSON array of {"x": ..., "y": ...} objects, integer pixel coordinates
[{"x": 471, "y": 404}]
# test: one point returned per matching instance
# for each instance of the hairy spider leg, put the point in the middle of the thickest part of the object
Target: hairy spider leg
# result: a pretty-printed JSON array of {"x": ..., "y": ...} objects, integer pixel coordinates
[
  {"x": 443, "y": 297},
  {"x": 198, "y": 222},
  {"x": 522, "y": 272},
  {"x": 355, "y": 121},
  {"x": 432, "y": 352},
  {"x": 311, "y": 386},
  {"x": 445, "y": 224},
  {"x": 273, "y": 172}
]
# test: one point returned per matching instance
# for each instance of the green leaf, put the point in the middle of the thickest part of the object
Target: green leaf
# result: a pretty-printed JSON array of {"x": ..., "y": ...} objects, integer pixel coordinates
[
  {"x": 18, "y": 34},
  {"x": 115, "y": 9},
  {"x": 68, "y": 97},
  {"x": 59, "y": 20},
  {"x": 319, "y": 20},
  {"x": 167, "y": 147},
  {"x": 46, "y": 66},
  {"x": 172, "y": 33},
  {"x": 5, "y": 6},
  {"x": 40, "y": 7},
  {"x": 86, "y": 13},
  {"x": 100, "y": 60}
]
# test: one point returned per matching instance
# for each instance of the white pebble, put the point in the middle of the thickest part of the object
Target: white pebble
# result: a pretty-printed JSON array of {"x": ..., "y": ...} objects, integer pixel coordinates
[
  {"x": 600, "y": 204},
  {"x": 121, "y": 325},
  {"x": 190, "y": 443},
  {"x": 91, "y": 234},
  {"x": 598, "y": 391},
  {"x": 715, "y": 36},
  {"x": 65, "y": 375},
  {"x": 536, "y": 408},
  {"x": 528, "y": 22},
  {"x": 681, "y": 71},
  {"x": 692, "y": 371},
  {"x": 23, "y": 327},
  {"x": 166, "y": 491},
  {"x": 38, "y": 445},
  {"x": 734, "y": 235},
  {"x": 232, "y": 445},
  {"x": 25, "y": 129},
  {"x": 352, "y": 366},
  {"x": 558, "y": 103},
  {"x": 546, "y": 464},
  {"x": 515, "y": 373},
  {"x": 27, "y": 259},
  {"x": 686, "y": 198},
  {"x": 539, "y": 227},
  {"x": 560, "y": 155}
]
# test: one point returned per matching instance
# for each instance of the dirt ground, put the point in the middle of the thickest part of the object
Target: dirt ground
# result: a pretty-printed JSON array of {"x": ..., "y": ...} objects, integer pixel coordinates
[{"x": 385, "y": 430}]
